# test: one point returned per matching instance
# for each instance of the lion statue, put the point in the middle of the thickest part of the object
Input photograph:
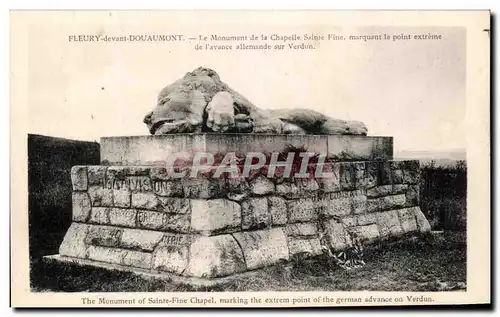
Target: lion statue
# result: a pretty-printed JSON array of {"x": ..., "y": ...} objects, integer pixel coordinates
[{"x": 201, "y": 102}]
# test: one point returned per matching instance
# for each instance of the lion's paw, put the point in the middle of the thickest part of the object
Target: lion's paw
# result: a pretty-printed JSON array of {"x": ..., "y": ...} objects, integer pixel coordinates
[{"x": 221, "y": 112}]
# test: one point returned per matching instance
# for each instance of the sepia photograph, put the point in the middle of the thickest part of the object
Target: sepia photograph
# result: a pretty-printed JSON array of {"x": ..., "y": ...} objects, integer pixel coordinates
[{"x": 275, "y": 159}]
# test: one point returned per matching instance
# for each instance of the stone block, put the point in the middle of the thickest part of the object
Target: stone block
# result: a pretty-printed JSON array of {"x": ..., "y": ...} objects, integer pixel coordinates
[
  {"x": 150, "y": 201},
  {"x": 302, "y": 230},
  {"x": 165, "y": 188},
  {"x": 264, "y": 247},
  {"x": 81, "y": 206},
  {"x": 288, "y": 190},
  {"x": 262, "y": 186},
  {"x": 397, "y": 176},
  {"x": 337, "y": 207},
  {"x": 388, "y": 224},
  {"x": 79, "y": 178},
  {"x": 215, "y": 216},
  {"x": 122, "y": 217},
  {"x": 142, "y": 240},
  {"x": 413, "y": 196},
  {"x": 120, "y": 256},
  {"x": 422, "y": 222},
  {"x": 255, "y": 213},
  {"x": 358, "y": 204},
  {"x": 307, "y": 186},
  {"x": 96, "y": 175},
  {"x": 205, "y": 186},
  {"x": 153, "y": 220},
  {"x": 121, "y": 198},
  {"x": 366, "y": 219},
  {"x": 408, "y": 220},
  {"x": 372, "y": 175},
  {"x": 366, "y": 234},
  {"x": 302, "y": 210},
  {"x": 411, "y": 172},
  {"x": 329, "y": 184},
  {"x": 158, "y": 173},
  {"x": 385, "y": 173},
  {"x": 335, "y": 235},
  {"x": 360, "y": 148},
  {"x": 307, "y": 247},
  {"x": 104, "y": 236},
  {"x": 99, "y": 215},
  {"x": 386, "y": 203},
  {"x": 172, "y": 253},
  {"x": 349, "y": 221},
  {"x": 277, "y": 210},
  {"x": 215, "y": 256},
  {"x": 237, "y": 188},
  {"x": 73, "y": 244},
  {"x": 100, "y": 197},
  {"x": 347, "y": 176},
  {"x": 386, "y": 190}
]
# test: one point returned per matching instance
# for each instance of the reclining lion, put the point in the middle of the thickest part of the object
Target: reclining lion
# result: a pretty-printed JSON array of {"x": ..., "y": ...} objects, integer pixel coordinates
[{"x": 201, "y": 102}]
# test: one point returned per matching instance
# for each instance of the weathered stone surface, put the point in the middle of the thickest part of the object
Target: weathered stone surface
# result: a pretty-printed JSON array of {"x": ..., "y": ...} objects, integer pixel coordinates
[
  {"x": 150, "y": 201},
  {"x": 288, "y": 190},
  {"x": 120, "y": 256},
  {"x": 397, "y": 176},
  {"x": 263, "y": 247},
  {"x": 255, "y": 213},
  {"x": 96, "y": 175},
  {"x": 388, "y": 224},
  {"x": 171, "y": 254},
  {"x": 307, "y": 186},
  {"x": 347, "y": 176},
  {"x": 99, "y": 215},
  {"x": 366, "y": 219},
  {"x": 79, "y": 178},
  {"x": 121, "y": 198},
  {"x": 122, "y": 217},
  {"x": 366, "y": 234},
  {"x": 277, "y": 210},
  {"x": 81, "y": 206},
  {"x": 204, "y": 186},
  {"x": 336, "y": 235},
  {"x": 237, "y": 188},
  {"x": 337, "y": 207},
  {"x": 371, "y": 175},
  {"x": 262, "y": 186},
  {"x": 100, "y": 197},
  {"x": 385, "y": 173},
  {"x": 411, "y": 172},
  {"x": 214, "y": 257},
  {"x": 163, "y": 221},
  {"x": 121, "y": 172},
  {"x": 145, "y": 240},
  {"x": 329, "y": 184},
  {"x": 304, "y": 230},
  {"x": 215, "y": 215},
  {"x": 104, "y": 236},
  {"x": 172, "y": 259},
  {"x": 302, "y": 210},
  {"x": 309, "y": 247},
  {"x": 350, "y": 221},
  {"x": 386, "y": 190},
  {"x": 413, "y": 196},
  {"x": 359, "y": 204},
  {"x": 422, "y": 222},
  {"x": 408, "y": 220},
  {"x": 172, "y": 188},
  {"x": 386, "y": 203},
  {"x": 74, "y": 241}
]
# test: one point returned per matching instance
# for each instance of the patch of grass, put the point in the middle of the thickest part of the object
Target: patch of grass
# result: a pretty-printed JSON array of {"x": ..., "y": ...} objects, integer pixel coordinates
[{"x": 431, "y": 263}]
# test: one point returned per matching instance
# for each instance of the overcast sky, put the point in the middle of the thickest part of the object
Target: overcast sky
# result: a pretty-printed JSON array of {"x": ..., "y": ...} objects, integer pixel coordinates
[{"x": 411, "y": 90}]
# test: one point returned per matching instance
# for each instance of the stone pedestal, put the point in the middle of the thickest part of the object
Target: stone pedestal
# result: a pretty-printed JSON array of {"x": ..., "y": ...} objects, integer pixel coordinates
[{"x": 130, "y": 212}]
